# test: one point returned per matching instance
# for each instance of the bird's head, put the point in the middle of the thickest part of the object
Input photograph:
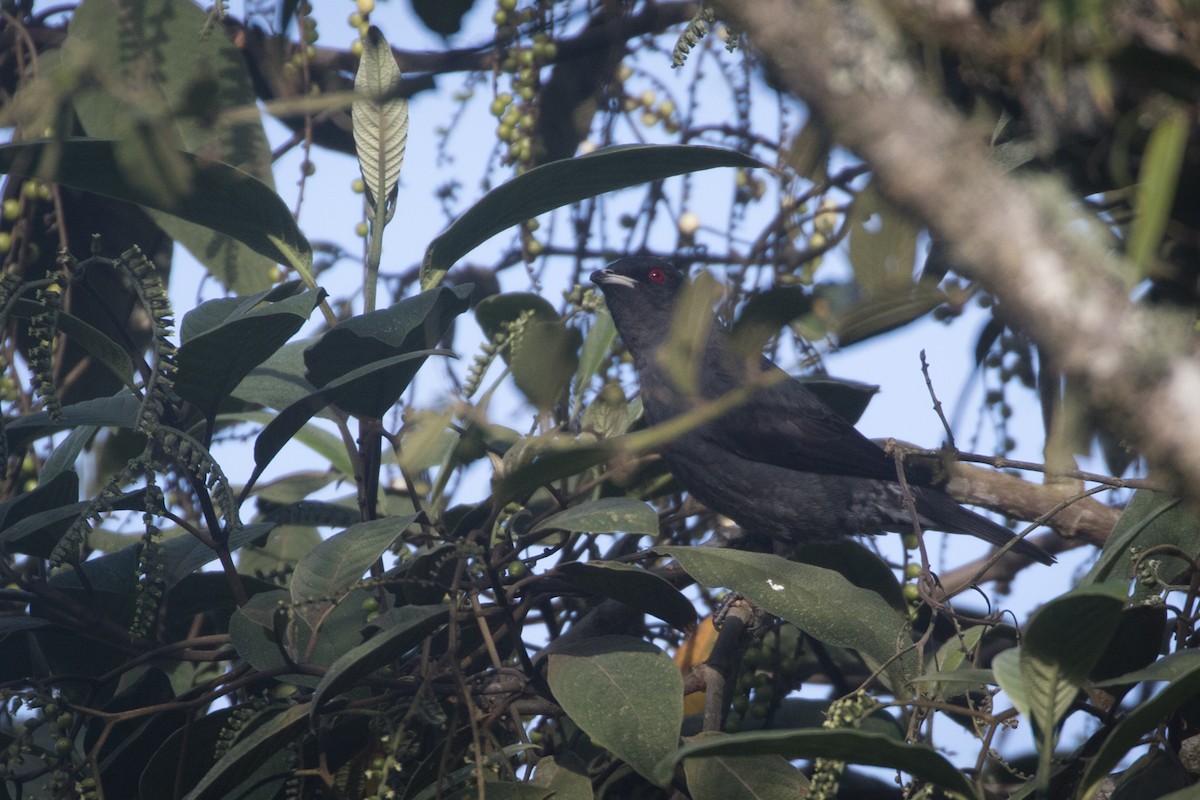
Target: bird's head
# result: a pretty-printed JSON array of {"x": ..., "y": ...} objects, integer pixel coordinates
[{"x": 639, "y": 286}]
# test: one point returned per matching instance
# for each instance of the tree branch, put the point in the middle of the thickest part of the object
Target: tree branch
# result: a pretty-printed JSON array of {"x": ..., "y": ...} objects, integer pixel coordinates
[{"x": 1022, "y": 239}]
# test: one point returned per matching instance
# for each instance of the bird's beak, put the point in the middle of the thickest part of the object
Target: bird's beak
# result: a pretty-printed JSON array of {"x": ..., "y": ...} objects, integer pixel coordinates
[{"x": 606, "y": 277}]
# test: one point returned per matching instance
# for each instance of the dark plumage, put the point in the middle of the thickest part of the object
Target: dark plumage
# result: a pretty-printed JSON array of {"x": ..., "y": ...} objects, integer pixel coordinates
[{"x": 783, "y": 464}]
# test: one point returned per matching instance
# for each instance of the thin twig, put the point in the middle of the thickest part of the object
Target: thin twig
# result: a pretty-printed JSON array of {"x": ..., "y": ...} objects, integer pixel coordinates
[{"x": 937, "y": 404}]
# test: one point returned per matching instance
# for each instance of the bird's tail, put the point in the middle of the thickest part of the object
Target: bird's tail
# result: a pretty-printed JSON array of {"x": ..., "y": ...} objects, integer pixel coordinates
[{"x": 944, "y": 514}]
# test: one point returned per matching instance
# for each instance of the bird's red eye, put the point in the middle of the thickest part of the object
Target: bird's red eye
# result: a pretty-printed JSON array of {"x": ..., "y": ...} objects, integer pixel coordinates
[{"x": 656, "y": 275}]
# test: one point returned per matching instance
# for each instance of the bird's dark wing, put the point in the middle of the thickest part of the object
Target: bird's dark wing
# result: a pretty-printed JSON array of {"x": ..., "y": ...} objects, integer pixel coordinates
[{"x": 788, "y": 426}]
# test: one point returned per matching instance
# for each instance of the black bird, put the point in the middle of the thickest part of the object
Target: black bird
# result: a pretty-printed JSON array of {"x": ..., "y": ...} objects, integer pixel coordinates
[{"x": 782, "y": 464}]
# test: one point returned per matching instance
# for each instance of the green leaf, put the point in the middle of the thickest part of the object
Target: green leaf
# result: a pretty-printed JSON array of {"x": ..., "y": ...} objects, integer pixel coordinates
[
  {"x": 608, "y": 515},
  {"x": 547, "y": 466},
  {"x": 755, "y": 776},
  {"x": 290, "y": 420},
  {"x": 949, "y": 660},
  {"x": 158, "y": 92},
  {"x": 119, "y": 411},
  {"x": 102, "y": 348},
  {"x": 413, "y": 324},
  {"x": 329, "y": 447},
  {"x": 854, "y": 747},
  {"x": 561, "y": 183},
  {"x": 1157, "y": 183},
  {"x": 1062, "y": 643},
  {"x": 596, "y": 346},
  {"x": 566, "y": 783},
  {"x": 1150, "y": 519},
  {"x": 444, "y": 17},
  {"x": 1183, "y": 671},
  {"x": 410, "y": 625},
  {"x": 545, "y": 354},
  {"x": 217, "y": 196},
  {"x": 494, "y": 312},
  {"x": 627, "y": 695},
  {"x": 633, "y": 586},
  {"x": 335, "y": 565},
  {"x": 819, "y": 601},
  {"x": 226, "y": 338},
  {"x": 251, "y": 750},
  {"x": 380, "y": 118}
]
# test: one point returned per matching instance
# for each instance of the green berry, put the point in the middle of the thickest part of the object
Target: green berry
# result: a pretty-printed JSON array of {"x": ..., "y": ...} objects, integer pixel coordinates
[{"x": 12, "y": 209}]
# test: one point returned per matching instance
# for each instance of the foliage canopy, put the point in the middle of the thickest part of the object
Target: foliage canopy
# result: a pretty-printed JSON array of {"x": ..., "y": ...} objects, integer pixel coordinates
[{"x": 175, "y": 626}]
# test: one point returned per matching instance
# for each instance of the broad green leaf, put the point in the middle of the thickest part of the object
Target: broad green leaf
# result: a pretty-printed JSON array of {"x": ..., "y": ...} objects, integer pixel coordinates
[
  {"x": 289, "y": 421},
  {"x": 949, "y": 660},
  {"x": 608, "y": 515},
  {"x": 1183, "y": 672},
  {"x": 339, "y": 562},
  {"x": 251, "y": 750},
  {"x": 851, "y": 746},
  {"x": 755, "y": 776},
  {"x": 279, "y": 381},
  {"x": 54, "y": 501},
  {"x": 819, "y": 601},
  {"x": 627, "y": 695},
  {"x": 380, "y": 118},
  {"x": 165, "y": 65},
  {"x": 493, "y": 313},
  {"x": 882, "y": 250},
  {"x": 97, "y": 344},
  {"x": 226, "y": 338},
  {"x": 1150, "y": 519},
  {"x": 547, "y": 466},
  {"x": 1157, "y": 182},
  {"x": 596, "y": 346},
  {"x": 64, "y": 456},
  {"x": 566, "y": 783},
  {"x": 1073, "y": 630},
  {"x": 184, "y": 555},
  {"x": 414, "y": 324},
  {"x": 218, "y": 196},
  {"x": 410, "y": 625},
  {"x": 1062, "y": 642},
  {"x": 119, "y": 411},
  {"x": 561, "y": 183},
  {"x": 444, "y": 17},
  {"x": 886, "y": 313},
  {"x": 180, "y": 556},
  {"x": 1136, "y": 643},
  {"x": 859, "y": 565},
  {"x": 545, "y": 355},
  {"x": 1174, "y": 667},
  {"x": 148, "y": 100},
  {"x": 329, "y": 447},
  {"x": 254, "y": 633},
  {"x": 633, "y": 586},
  {"x": 279, "y": 554}
]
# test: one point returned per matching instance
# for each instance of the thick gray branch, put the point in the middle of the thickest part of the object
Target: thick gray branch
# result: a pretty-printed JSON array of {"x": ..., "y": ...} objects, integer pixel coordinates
[{"x": 1023, "y": 240}]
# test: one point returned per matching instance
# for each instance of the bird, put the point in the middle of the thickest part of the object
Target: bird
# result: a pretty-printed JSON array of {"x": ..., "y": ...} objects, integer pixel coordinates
[{"x": 782, "y": 463}]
